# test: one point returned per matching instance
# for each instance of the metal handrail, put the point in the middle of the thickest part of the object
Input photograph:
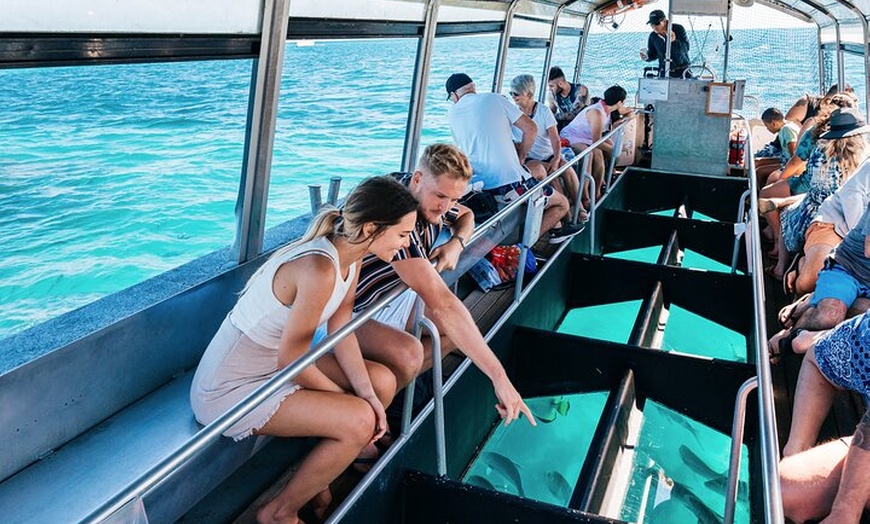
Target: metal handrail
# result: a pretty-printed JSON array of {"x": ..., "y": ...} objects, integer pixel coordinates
[
  {"x": 214, "y": 431},
  {"x": 767, "y": 427},
  {"x": 737, "y": 426},
  {"x": 739, "y": 229},
  {"x": 438, "y": 394}
]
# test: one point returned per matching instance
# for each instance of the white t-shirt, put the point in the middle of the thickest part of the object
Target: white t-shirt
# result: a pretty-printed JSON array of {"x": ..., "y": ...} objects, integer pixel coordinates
[
  {"x": 481, "y": 126},
  {"x": 542, "y": 149},
  {"x": 846, "y": 205}
]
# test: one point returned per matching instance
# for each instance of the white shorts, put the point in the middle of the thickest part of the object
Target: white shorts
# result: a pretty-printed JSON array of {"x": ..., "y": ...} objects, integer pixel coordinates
[{"x": 397, "y": 312}]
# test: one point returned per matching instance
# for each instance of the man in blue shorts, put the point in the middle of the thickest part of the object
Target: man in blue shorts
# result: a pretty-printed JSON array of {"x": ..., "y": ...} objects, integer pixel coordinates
[{"x": 843, "y": 281}]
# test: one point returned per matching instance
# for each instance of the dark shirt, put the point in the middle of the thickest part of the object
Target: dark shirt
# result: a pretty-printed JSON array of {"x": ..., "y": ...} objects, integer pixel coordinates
[
  {"x": 657, "y": 50},
  {"x": 850, "y": 252},
  {"x": 376, "y": 277},
  {"x": 568, "y": 106}
]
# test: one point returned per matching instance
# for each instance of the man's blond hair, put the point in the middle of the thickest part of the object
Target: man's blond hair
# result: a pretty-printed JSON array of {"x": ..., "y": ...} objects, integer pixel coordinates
[{"x": 446, "y": 159}]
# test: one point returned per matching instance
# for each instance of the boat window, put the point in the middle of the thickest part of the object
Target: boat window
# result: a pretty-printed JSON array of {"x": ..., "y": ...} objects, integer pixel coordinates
[
  {"x": 342, "y": 112},
  {"x": 111, "y": 175},
  {"x": 854, "y": 69},
  {"x": 153, "y": 16},
  {"x": 405, "y": 10},
  {"x": 473, "y": 55},
  {"x": 567, "y": 44}
]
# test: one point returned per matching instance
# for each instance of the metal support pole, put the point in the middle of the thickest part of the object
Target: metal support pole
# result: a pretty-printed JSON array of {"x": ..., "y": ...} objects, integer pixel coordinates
[
  {"x": 414, "y": 125},
  {"x": 617, "y": 149},
  {"x": 667, "y": 72},
  {"x": 736, "y": 441},
  {"x": 503, "y": 45},
  {"x": 545, "y": 77},
  {"x": 584, "y": 169},
  {"x": 727, "y": 41},
  {"x": 841, "y": 59},
  {"x": 260, "y": 131},
  {"x": 864, "y": 32},
  {"x": 592, "y": 204},
  {"x": 438, "y": 386},
  {"x": 334, "y": 187},
  {"x": 315, "y": 198},
  {"x": 822, "y": 79},
  {"x": 582, "y": 51}
]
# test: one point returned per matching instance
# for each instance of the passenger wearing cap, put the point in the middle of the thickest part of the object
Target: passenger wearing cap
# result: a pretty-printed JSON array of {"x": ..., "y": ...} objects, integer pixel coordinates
[
  {"x": 657, "y": 45},
  {"x": 481, "y": 124}
]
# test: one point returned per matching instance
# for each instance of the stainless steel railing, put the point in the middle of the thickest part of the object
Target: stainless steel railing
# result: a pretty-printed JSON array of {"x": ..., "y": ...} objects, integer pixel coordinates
[
  {"x": 145, "y": 482},
  {"x": 771, "y": 488}
]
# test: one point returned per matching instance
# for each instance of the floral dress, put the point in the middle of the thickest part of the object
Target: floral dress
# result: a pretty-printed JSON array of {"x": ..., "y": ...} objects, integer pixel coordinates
[
  {"x": 843, "y": 355},
  {"x": 825, "y": 179}
]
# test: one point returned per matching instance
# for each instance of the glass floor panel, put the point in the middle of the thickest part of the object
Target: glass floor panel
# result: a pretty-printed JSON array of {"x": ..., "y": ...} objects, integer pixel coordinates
[
  {"x": 680, "y": 471},
  {"x": 543, "y": 462},
  {"x": 687, "y": 332},
  {"x": 611, "y": 322}
]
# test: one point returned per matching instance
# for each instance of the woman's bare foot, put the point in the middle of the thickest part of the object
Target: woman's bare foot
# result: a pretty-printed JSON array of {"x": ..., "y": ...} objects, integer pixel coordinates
[{"x": 271, "y": 515}]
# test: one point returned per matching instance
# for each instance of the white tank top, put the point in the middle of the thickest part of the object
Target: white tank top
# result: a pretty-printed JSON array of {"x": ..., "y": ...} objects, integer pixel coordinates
[
  {"x": 579, "y": 130},
  {"x": 262, "y": 317}
]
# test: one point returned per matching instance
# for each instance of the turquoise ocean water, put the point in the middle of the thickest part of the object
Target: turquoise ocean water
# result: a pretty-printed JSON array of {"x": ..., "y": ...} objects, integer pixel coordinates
[{"x": 110, "y": 175}]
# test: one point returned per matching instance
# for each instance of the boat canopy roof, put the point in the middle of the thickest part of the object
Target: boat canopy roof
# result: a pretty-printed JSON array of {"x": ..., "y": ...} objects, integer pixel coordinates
[{"x": 242, "y": 17}]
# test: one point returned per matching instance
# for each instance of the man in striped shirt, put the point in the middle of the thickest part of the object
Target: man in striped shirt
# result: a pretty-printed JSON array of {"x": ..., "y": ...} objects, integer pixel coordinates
[{"x": 438, "y": 183}]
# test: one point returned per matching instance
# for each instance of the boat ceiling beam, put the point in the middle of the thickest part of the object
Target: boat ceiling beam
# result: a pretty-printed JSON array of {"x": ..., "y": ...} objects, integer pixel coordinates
[
  {"x": 48, "y": 50},
  {"x": 260, "y": 132},
  {"x": 414, "y": 126}
]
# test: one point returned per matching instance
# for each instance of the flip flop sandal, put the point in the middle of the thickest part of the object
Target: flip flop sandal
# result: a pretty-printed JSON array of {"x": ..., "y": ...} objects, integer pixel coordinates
[
  {"x": 784, "y": 346},
  {"x": 786, "y": 314},
  {"x": 793, "y": 266}
]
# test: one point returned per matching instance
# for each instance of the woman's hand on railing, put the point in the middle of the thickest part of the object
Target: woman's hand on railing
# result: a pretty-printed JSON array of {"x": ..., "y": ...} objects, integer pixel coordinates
[
  {"x": 510, "y": 404},
  {"x": 380, "y": 416}
]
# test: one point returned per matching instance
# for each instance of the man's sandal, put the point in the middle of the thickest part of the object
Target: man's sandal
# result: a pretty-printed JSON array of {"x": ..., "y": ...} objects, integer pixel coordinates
[{"x": 784, "y": 346}]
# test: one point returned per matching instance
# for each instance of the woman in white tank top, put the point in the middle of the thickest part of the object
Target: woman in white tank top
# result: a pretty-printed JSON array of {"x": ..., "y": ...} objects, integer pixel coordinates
[
  {"x": 588, "y": 127},
  {"x": 341, "y": 398}
]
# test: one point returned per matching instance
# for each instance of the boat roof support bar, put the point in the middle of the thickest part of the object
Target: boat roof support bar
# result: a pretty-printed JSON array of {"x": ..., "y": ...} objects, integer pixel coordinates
[
  {"x": 414, "y": 126},
  {"x": 727, "y": 41},
  {"x": 554, "y": 28},
  {"x": 841, "y": 65},
  {"x": 773, "y": 513},
  {"x": 866, "y": 53},
  {"x": 260, "y": 132},
  {"x": 582, "y": 50},
  {"x": 822, "y": 79},
  {"x": 503, "y": 45}
]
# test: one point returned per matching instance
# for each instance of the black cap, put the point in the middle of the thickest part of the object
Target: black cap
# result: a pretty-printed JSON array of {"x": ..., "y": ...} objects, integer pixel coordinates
[
  {"x": 656, "y": 16},
  {"x": 456, "y": 81},
  {"x": 845, "y": 122}
]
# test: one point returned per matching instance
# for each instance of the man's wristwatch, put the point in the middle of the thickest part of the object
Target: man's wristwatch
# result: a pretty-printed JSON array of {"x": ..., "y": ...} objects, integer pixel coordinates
[{"x": 460, "y": 239}]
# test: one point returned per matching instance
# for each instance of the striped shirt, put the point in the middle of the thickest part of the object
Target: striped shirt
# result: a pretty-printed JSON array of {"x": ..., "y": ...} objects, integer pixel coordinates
[{"x": 376, "y": 277}]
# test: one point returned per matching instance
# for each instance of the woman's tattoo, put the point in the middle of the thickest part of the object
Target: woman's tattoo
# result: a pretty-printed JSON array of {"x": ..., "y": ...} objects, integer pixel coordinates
[{"x": 862, "y": 433}]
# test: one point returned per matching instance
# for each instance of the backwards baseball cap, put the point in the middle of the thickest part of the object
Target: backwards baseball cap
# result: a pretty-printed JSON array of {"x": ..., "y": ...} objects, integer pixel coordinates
[
  {"x": 456, "y": 81},
  {"x": 656, "y": 16}
]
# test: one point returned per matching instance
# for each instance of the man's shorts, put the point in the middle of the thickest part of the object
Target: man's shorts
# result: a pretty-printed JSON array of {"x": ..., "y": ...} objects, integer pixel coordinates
[
  {"x": 837, "y": 283},
  {"x": 397, "y": 312}
]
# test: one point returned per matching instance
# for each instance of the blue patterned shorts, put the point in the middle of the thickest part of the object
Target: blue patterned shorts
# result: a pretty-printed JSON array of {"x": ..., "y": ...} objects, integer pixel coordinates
[{"x": 843, "y": 355}]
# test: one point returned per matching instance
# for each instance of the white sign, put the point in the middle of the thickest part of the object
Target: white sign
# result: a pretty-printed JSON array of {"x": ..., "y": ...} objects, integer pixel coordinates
[{"x": 652, "y": 90}]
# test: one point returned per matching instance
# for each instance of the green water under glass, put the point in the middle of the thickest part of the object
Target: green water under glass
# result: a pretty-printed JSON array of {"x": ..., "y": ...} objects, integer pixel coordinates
[
  {"x": 695, "y": 215},
  {"x": 610, "y": 322},
  {"x": 541, "y": 462},
  {"x": 679, "y": 472},
  {"x": 691, "y": 259}
]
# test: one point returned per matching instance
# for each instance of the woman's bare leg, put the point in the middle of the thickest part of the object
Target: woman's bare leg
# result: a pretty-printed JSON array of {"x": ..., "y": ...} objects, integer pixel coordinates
[
  {"x": 346, "y": 424},
  {"x": 814, "y": 395}
]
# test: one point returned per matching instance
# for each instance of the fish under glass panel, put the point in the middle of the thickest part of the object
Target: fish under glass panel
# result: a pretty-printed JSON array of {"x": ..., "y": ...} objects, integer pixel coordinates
[
  {"x": 611, "y": 322},
  {"x": 542, "y": 462},
  {"x": 680, "y": 471},
  {"x": 649, "y": 255},
  {"x": 687, "y": 332}
]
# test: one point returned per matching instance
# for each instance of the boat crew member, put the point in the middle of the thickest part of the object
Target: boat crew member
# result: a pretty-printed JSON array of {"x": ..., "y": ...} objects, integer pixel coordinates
[
  {"x": 341, "y": 397},
  {"x": 481, "y": 124},
  {"x": 566, "y": 99},
  {"x": 439, "y": 181},
  {"x": 657, "y": 45}
]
